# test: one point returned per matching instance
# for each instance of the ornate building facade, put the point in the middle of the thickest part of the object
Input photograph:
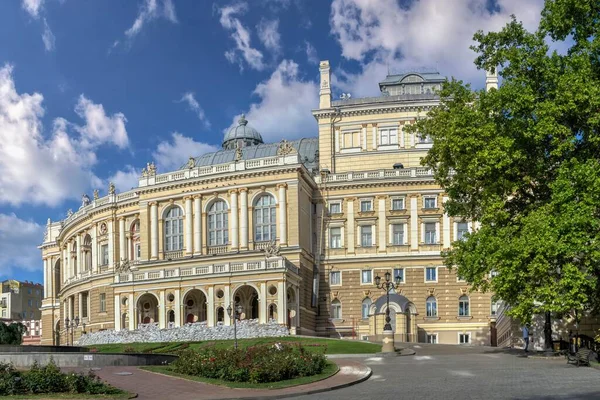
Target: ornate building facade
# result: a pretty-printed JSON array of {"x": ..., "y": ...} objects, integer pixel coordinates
[{"x": 294, "y": 232}]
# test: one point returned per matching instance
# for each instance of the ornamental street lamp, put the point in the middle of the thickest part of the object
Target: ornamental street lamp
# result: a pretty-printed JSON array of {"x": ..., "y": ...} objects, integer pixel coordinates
[
  {"x": 234, "y": 313},
  {"x": 388, "y": 333},
  {"x": 71, "y": 324}
]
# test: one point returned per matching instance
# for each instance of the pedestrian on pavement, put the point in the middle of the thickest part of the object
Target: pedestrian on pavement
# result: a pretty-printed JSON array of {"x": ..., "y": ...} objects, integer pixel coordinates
[{"x": 526, "y": 337}]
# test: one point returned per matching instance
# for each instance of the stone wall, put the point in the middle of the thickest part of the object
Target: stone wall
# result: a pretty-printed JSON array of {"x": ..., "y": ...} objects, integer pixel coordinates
[{"x": 187, "y": 333}]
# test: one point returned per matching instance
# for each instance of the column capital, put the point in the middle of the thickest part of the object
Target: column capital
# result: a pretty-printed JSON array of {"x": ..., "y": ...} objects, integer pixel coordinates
[
  {"x": 152, "y": 203},
  {"x": 374, "y": 124},
  {"x": 243, "y": 190},
  {"x": 121, "y": 218},
  {"x": 186, "y": 198},
  {"x": 364, "y": 125},
  {"x": 351, "y": 198},
  {"x": 381, "y": 197},
  {"x": 281, "y": 185},
  {"x": 414, "y": 196},
  {"x": 232, "y": 191},
  {"x": 197, "y": 196}
]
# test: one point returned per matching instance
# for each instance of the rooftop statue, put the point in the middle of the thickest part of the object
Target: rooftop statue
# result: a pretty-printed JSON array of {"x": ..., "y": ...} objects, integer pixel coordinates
[
  {"x": 111, "y": 188},
  {"x": 96, "y": 194},
  {"x": 85, "y": 200},
  {"x": 191, "y": 162}
]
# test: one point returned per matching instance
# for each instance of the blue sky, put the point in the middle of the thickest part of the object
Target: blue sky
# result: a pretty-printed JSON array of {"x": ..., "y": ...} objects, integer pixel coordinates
[{"x": 90, "y": 91}]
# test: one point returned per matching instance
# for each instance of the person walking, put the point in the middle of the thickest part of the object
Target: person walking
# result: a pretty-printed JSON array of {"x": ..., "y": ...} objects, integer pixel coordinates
[{"x": 526, "y": 338}]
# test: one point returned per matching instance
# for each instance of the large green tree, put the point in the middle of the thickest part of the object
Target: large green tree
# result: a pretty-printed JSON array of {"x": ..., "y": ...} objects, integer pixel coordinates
[{"x": 523, "y": 160}]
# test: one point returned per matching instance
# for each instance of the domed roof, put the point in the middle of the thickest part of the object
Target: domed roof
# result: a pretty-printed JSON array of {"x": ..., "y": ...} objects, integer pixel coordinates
[{"x": 247, "y": 134}]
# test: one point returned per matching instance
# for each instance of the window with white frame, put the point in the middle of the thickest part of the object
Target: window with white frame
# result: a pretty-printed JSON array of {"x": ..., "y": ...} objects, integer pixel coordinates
[
  {"x": 424, "y": 138},
  {"x": 218, "y": 226},
  {"x": 335, "y": 278},
  {"x": 335, "y": 238},
  {"x": 464, "y": 338},
  {"x": 137, "y": 248},
  {"x": 366, "y": 236},
  {"x": 432, "y": 338},
  {"x": 264, "y": 218},
  {"x": 398, "y": 203},
  {"x": 430, "y": 233},
  {"x": 336, "y": 309},
  {"x": 430, "y": 202},
  {"x": 431, "y": 274},
  {"x": 495, "y": 307},
  {"x": 104, "y": 254},
  {"x": 388, "y": 136},
  {"x": 431, "y": 306},
  {"x": 366, "y": 306},
  {"x": 335, "y": 208},
  {"x": 399, "y": 272},
  {"x": 102, "y": 302},
  {"x": 398, "y": 234},
  {"x": 366, "y": 205},
  {"x": 174, "y": 229},
  {"x": 366, "y": 276},
  {"x": 462, "y": 228},
  {"x": 463, "y": 306},
  {"x": 350, "y": 140}
]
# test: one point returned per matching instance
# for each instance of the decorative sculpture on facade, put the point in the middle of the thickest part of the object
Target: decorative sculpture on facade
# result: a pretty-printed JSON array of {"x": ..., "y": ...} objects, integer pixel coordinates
[
  {"x": 96, "y": 194},
  {"x": 191, "y": 162},
  {"x": 144, "y": 173},
  {"x": 239, "y": 153},
  {"x": 272, "y": 250},
  {"x": 85, "y": 200},
  {"x": 123, "y": 266},
  {"x": 111, "y": 188},
  {"x": 151, "y": 169},
  {"x": 69, "y": 212},
  {"x": 285, "y": 148}
]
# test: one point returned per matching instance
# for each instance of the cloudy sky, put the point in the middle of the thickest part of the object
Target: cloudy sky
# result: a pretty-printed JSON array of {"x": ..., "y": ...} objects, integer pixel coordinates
[{"x": 92, "y": 91}]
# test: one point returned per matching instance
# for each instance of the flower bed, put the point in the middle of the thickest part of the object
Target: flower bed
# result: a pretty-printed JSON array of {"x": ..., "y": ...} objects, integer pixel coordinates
[
  {"x": 258, "y": 364},
  {"x": 49, "y": 380}
]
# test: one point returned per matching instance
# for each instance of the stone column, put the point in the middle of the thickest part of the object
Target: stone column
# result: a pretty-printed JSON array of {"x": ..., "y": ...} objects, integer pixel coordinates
[
  {"x": 71, "y": 307},
  {"x": 374, "y": 132},
  {"x": 189, "y": 225},
  {"x": 282, "y": 214},
  {"x": 65, "y": 263},
  {"x": 94, "y": 249},
  {"x": 78, "y": 264},
  {"x": 80, "y": 304},
  {"x": 234, "y": 236},
  {"x": 117, "y": 313},
  {"x": 414, "y": 224},
  {"x": 111, "y": 244},
  {"x": 227, "y": 303},
  {"x": 162, "y": 313},
  {"x": 350, "y": 227},
  {"x": 50, "y": 275},
  {"x": 381, "y": 226},
  {"x": 122, "y": 248},
  {"x": 244, "y": 218},
  {"x": 262, "y": 304},
  {"x": 177, "y": 303},
  {"x": 210, "y": 307},
  {"x": 153, "y": 231},
  {"x": 363, "y": 139},
  {"x": 281, "y": 304},
  {"x": 45, "y": 260},
  {"x": 197, "y": 225},
  {"x": 446, "y": 221},
  {"x": 132, "y": 313}
]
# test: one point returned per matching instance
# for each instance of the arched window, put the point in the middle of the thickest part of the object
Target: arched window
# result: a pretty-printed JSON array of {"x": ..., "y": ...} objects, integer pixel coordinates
[
  {"x": 366, "y": 305},
  {"x": 218, "y": 228},
  {"x": 74, "y": 258},
  {"x": 264, "y": 219},
  {"x": 431, "y": 306},
  {"x": 135, "y": 247},
  {"x": 87, "y": 253},
  {"x": 463, "y": 306},
  {"x": 174, "y": 229},
  {"x": 336, "y": 309}
]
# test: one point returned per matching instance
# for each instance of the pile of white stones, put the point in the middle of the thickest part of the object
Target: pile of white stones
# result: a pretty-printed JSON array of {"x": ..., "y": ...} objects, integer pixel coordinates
[{"x": 188, "y": 332}]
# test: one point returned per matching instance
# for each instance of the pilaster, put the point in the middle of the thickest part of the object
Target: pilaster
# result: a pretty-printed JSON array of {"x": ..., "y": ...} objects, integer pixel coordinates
[
  {"x": 117, "y": 315},
  {"x": 210, "y": 307},
  {"x": 189, "y": 225},
  {"x": 282, "y": 214},
  {"x": 198, "y": 224},
  {"x": 351, "y": 229},
  {"x": 244, "y": 218},
  {"x": 122, "y": 252},
  {"x": 153, "y": 230},
  {"x": 414, "y": 223},
  {"x": 234, "y": 235},
  {"x": 381, "y": 225}
]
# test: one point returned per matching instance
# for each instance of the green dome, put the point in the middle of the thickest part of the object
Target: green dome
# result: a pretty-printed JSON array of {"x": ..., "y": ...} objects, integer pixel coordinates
[{"x": 242, "y": 135}]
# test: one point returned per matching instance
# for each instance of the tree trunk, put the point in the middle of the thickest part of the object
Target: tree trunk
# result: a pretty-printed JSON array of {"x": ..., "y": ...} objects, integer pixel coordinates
[{"x": 548, "y": 332}]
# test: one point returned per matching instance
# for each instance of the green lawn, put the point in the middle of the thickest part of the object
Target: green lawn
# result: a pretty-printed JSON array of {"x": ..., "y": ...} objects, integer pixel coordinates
[
  {"x": 329, "y": 370},
  {"x": 329, "y": 346}
]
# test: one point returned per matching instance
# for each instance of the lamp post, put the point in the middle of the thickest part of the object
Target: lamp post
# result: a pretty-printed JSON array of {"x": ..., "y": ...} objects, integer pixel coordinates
[
  {"x": 71, "y": 324},
  {"x": 388, "y": 333},
  {"x": 234, "y": 313}
]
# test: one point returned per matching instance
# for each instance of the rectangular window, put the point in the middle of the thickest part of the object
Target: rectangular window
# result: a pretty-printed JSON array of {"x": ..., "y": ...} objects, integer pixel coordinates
[
  {"x": 429, "y": 202},
  {"x": 494, "y": 310},
  {"x": 367, "y": 276},
  {"x": 430, "y": 233},
  {"x": 398, "y": 234},
  {"x": 388, "y": 136},
  {"x": 335, "y": 278},
  {"x": 102, "y": 302},
  {"x": 28, "y": 291},
  {"x": 398, "y": 204},
  {"x": 84, "y": 305},
  {"x": 464, "y": 338},
  {"x": 335, "y": 238},
  {"x": 336, "y": 310},
  {"x": 335, "y": 208},
  {"x": 432, "y": 338},
  {"x": 30, "y": 302},
  {"x": 138, "y": 251},
  {"x": 366, "y": 236},
  {"x": 431, "y": 274},
  {"x": 462, "y": 228},
  {"x": 366, "y": 205},
  {"x": 104, "y": 254},
  {"x": 3, "y": 313},
  {"x": 351, "y": 140},
  {"x": 399, "y": 272}
]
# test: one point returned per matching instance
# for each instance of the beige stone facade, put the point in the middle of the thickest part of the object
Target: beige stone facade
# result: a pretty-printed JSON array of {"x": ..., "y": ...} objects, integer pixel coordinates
[{"x": 295, "y": 232}]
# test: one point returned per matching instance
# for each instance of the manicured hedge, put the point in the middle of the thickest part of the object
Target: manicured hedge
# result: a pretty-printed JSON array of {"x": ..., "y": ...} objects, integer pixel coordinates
[
  {"x": 48, "y": 380},
  {"x": 258, "y": 364}
]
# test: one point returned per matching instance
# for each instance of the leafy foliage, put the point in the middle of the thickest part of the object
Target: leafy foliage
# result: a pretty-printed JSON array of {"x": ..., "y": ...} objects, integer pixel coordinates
[
  {"x": 256, "y": 364},
  {"x": 12, "y": 333},
  {"x": 523, "y": 160}
]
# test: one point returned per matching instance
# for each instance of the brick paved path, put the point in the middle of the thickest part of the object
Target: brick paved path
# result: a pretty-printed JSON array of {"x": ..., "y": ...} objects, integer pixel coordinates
[{"x": 149, "y": 385}]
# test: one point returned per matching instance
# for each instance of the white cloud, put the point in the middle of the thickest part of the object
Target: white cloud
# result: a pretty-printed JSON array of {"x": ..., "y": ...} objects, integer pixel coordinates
[
  {"x": 195, "y": 107},
  {"x": 311, "y": 53},
  {"x": 284, "y": 107},
  {"x": 47, "y": 170},
  {"x": 241, "y": 36},
  {"x": 125, "y": 179},
  {"x": 268, "y": 33},
  {"x": 33, "y": 7},
  {"x": 18, "y": 242},
  {"x": 149, "y": 11},
  {"x": 382, "y": 33},
  {"x": 48, "y": 37},
  {"x": 171, "y": 155}
]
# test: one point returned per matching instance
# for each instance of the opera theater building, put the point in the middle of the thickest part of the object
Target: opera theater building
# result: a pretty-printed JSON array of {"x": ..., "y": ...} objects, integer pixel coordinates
[{"x": 293, "y": 232}]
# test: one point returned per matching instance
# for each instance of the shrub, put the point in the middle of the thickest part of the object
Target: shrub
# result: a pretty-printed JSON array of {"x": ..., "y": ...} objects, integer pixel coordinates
[
  {"x": 129, "y": 349},
  {"x": 256, "y": 364}
]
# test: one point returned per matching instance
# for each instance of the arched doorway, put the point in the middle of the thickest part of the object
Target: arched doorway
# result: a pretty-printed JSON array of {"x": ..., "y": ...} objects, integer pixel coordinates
[
  {"x": 124, "y": 321},
  {"x": 57, "y": 279},
  {"x": 220, "y": 315},
  {"x": 247, "y": 297},
  {"x": 402, "y": 317},
  {"x": 291, "y": 308},
  {"x": 272, "y": 313},
  {"x": 147, "y": 309},
  {"x": 194, "y": 305},
  {"x": 171, "y": 318}
]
